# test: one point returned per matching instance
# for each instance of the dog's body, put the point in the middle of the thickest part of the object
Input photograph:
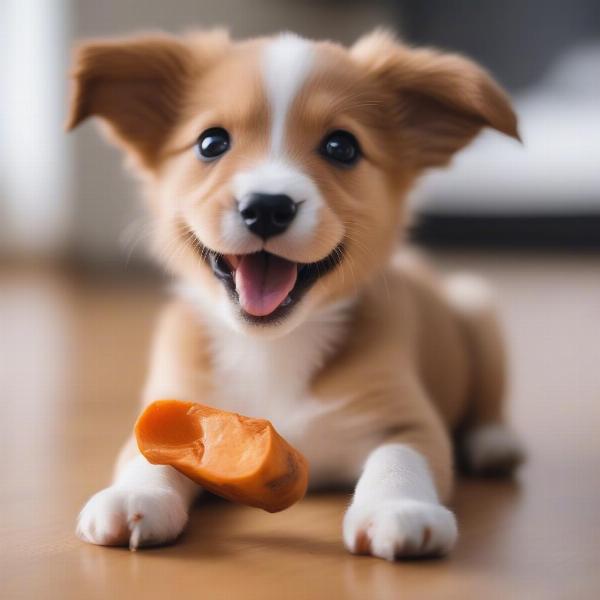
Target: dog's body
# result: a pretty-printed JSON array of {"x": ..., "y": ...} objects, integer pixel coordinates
[{"x": 286, "y": 309}]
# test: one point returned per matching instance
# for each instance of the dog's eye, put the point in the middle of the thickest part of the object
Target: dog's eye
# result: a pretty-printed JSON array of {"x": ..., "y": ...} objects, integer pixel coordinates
[
  {"x": 212, "y": 143},
  {"x": 341, "y": 147}
]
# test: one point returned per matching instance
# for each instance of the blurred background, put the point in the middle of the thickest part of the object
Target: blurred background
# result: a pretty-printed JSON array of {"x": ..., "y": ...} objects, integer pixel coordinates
[{"x": 68, "y": 196}]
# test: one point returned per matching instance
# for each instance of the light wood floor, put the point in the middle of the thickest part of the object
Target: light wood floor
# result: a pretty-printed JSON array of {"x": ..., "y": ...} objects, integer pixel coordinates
[{"x": 72, "y": 358}]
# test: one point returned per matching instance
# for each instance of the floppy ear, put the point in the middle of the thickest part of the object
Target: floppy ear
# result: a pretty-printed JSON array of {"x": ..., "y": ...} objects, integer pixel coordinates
[
  {"x": 441, "y": 100},
  {"x": 137, "y": 86}
]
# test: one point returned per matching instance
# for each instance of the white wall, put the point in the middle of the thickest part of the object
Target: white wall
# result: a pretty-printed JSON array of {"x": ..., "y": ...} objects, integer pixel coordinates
[{"x": 35, "y": 203}]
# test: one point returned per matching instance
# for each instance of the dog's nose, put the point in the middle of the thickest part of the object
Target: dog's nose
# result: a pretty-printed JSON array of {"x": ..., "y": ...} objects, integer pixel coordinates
[{"x": 267, "y": 215}]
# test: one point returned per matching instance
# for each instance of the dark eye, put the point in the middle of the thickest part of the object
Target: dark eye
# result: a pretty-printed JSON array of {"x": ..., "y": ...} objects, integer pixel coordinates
[
  {"x": 212, "y": 143},
  {"x": 341, "y": 147}
]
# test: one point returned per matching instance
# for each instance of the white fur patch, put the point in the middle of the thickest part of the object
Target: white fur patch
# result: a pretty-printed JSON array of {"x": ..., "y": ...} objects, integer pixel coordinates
[
  {"x": 269, "y": 377},
  {"x": 147, "y": 505},
  {"x": 287, "y": 61},
  {"x": 492, "y": 448},
  {"x": 469, "y": 293},
  {"x": 395, "y": 511},
  {"x": 122, "y": 516},
  {"x": 275, "y": 176},
  {"x": 400, "y": 528}
]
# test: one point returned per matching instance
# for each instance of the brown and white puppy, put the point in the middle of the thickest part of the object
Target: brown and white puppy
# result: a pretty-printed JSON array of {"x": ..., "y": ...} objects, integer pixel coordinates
[{"x": 276, "y": 171}]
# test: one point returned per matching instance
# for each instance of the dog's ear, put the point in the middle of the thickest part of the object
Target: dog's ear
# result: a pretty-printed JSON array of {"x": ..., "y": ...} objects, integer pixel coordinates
[
  {"x": 441, "y": 100},
  {"x": 137, "y": 86}
]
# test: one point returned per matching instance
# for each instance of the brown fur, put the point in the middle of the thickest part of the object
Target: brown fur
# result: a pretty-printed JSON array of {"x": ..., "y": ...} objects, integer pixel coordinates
[{"x": 407, "y": 359}]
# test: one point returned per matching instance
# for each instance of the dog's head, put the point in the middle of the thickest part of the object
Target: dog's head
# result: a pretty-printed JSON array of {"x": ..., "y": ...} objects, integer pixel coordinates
[{"x": 276, "y": 168}]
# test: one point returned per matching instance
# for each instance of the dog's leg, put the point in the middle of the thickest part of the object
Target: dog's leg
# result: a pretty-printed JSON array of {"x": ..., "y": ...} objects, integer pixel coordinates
[
  {"x": 148, "y": 504},
  {"x": 396, "y": 510},
  {"x": 145, "y": 505},
  {"x": 486, "y": 444}
]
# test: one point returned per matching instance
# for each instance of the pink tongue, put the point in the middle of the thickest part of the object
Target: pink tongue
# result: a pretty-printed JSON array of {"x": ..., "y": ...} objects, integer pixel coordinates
[{"x": 263, "y": 281}]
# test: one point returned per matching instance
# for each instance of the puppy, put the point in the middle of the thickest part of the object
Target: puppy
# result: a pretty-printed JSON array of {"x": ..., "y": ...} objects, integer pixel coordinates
[{"x": 276, "y": 172}]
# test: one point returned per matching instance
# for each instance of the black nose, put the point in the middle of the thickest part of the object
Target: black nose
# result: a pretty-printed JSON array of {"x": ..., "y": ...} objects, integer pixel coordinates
[{"x": 267, "y": 215}]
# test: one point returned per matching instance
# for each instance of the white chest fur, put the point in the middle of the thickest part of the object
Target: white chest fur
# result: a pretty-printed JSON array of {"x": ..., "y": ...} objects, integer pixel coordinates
[{"x": 270, "y": 378}]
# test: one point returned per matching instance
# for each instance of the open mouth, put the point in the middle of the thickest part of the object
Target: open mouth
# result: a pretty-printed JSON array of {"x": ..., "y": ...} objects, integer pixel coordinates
[{"x": 266, "y": 286}]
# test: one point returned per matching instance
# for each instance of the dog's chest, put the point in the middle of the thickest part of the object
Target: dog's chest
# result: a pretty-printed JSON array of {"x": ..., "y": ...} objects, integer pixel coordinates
[
  {"x": 270, "y": 379},
  {"x": 261, "y": 378}
]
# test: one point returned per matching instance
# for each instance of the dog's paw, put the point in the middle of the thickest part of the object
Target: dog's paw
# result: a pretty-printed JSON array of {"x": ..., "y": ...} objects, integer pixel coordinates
[
  {"x": 125, "y": 516},
  {"x": 492, "y": 450},
  {"x": 400, "y": 529}
]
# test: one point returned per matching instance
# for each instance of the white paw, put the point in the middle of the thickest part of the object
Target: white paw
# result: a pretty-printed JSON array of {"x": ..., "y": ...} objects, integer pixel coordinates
[
  {"x": 400, "y": 529},
  {"x": 492, "y": 449},
  {"x": 125, "y": 516}
]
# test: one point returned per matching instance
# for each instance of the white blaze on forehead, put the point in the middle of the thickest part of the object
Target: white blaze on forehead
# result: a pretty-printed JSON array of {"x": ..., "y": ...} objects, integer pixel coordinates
[
  {"x": 286, "y": 64},
  {"x": 274, "y": 176},
  {"x": 287, "y": 61}
]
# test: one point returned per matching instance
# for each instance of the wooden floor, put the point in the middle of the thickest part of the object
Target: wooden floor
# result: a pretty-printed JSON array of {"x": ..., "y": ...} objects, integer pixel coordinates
[{"x": 72, "y": 358}]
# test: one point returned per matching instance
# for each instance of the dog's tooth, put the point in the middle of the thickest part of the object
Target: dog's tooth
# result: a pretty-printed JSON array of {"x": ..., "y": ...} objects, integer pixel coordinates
[{"x": 287, "y": 301}]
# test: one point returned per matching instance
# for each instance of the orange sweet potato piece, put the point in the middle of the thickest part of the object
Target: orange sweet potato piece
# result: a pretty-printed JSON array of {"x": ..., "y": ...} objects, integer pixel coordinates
[{"x": 236, "y": 457}]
